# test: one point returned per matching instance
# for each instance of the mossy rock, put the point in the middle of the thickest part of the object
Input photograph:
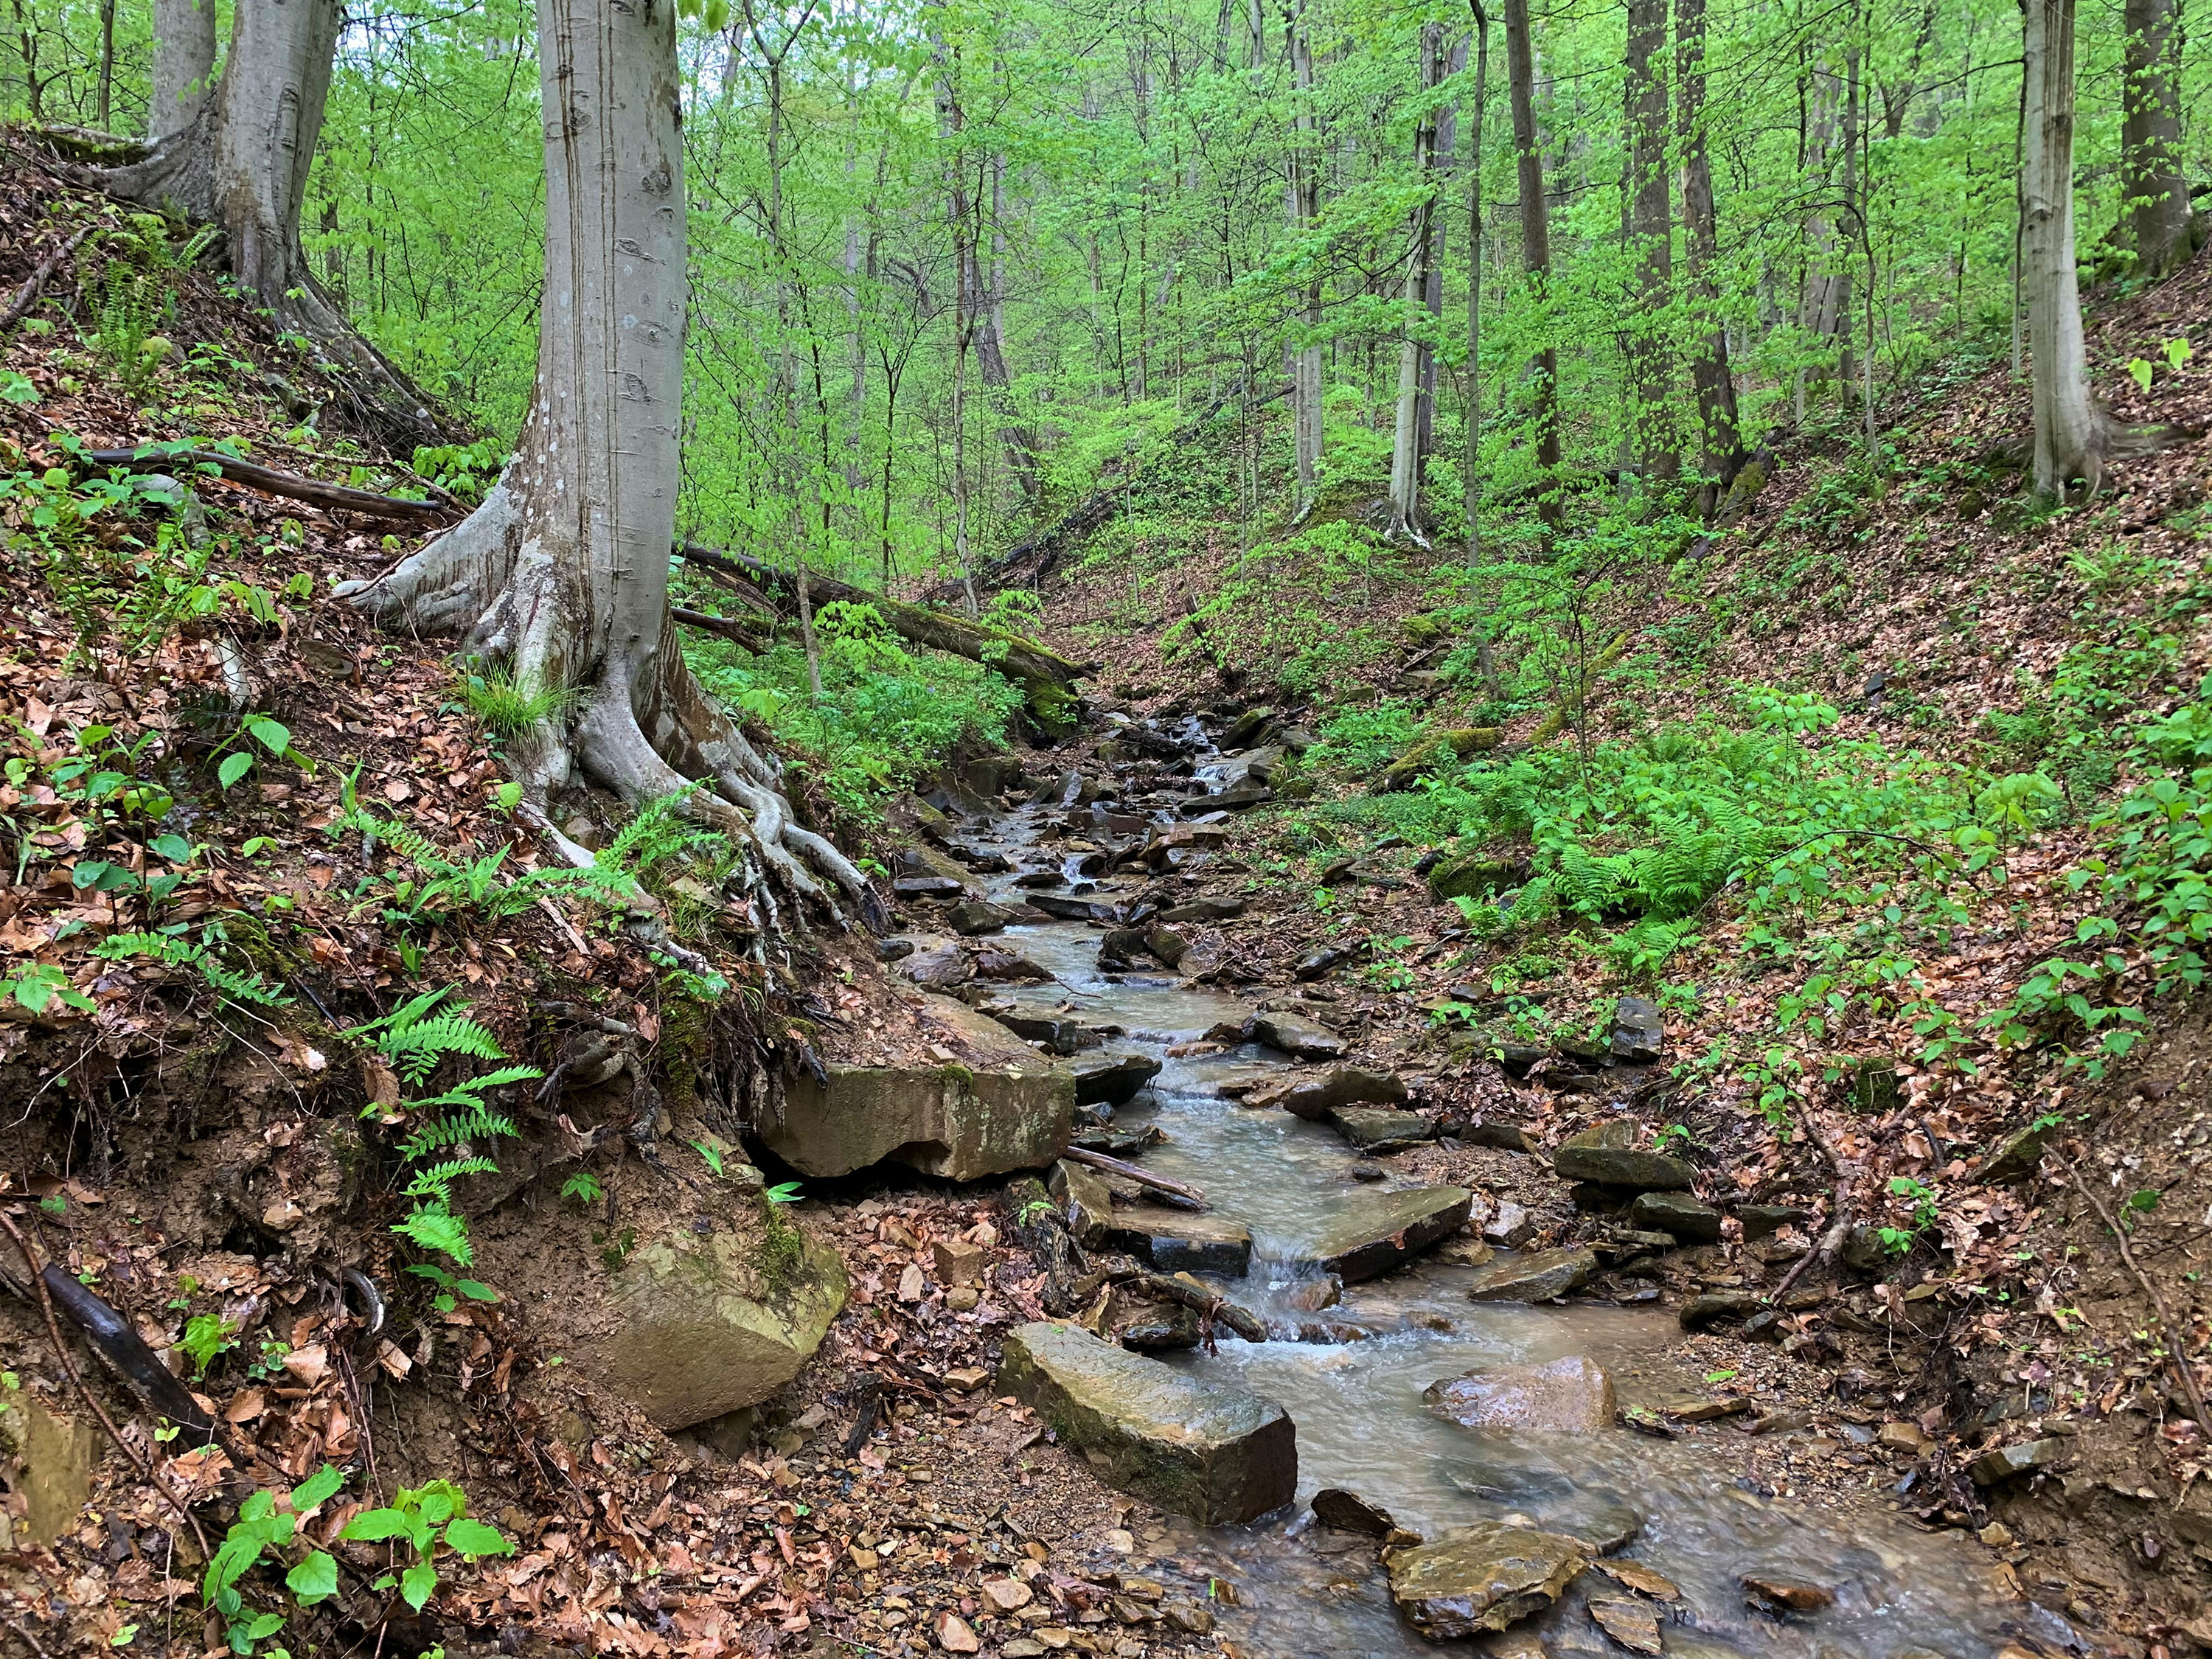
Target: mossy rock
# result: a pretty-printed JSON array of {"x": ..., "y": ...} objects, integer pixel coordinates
[
  {"x": 1454, "y": 744},
  {"x": 1424, "y": 629}
]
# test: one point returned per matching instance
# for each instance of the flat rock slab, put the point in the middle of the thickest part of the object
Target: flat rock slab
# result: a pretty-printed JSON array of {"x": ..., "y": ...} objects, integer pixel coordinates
[
  {"x": 1181, "y": 1241},
  {"x": 1572, "y": 1395},
  {"x": 1217, "y": 1454},
  {"x": 1314, "y": 1097},
  {"x": 1618, "y": 1154},
  {"x": 1482, "y": 1578},
  {"x": 1380, "y": 1129},
  {"x": 1686, "y": 1218},
  {"x": 1536, "y": 1277},
  {"x": 1301, "y": 1039},
  {"x": 1000, "y": 1107},
  {"x": 1372, "y": 1232},
  {"x": 1110, "y": 1078}
]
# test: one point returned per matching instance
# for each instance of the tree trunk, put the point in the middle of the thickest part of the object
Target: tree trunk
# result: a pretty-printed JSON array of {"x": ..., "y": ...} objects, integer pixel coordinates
[
  {"x": 2154, "y": 192},
  {"x": 1651, "y": 229},
  {"x": 1445, "y": 151},
  {"x": 1535, "y": 250},
  {"x": 562, "y": 574},
  {"x": 1719, "y": 448},
  {"x": 1406, "y": 445},
  {"x": 106, "y": 97},
  {"x": 1020, "y": 442},
  {"x": 1305, "y": 214},
  {"x": 241, "y": 162},
  {"x": 2068, "y": 428},
  {"x": 1471, "y": 473}
]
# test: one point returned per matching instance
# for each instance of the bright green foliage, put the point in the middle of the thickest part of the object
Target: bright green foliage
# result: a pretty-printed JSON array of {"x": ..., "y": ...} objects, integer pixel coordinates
[
  {"x": 422, "y": 1518},
  {"x": 262, "y": 1530},
  {"x": 207, "y": 1336}
]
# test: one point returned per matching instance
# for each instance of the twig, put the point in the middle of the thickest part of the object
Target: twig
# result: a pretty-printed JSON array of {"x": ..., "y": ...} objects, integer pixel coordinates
[
  {"x": 69, "y": 1370},
  {"x": 35, "y": 283},
  {"x": 1130, "y": 1172},
  {"x": 2175, "y": 1335}
]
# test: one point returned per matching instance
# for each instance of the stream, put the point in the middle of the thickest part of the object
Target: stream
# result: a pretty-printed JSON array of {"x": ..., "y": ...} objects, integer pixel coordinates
[{"x": 1361, "y": 1422}]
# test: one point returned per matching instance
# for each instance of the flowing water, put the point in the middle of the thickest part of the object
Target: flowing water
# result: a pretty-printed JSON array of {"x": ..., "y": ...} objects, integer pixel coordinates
[{"x": 1362, "y": 1423}]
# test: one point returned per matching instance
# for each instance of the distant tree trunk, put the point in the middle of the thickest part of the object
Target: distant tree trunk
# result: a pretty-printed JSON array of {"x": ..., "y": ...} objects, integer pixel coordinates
[
  {"x": 1471, "y": 470},
  {"x": 1651, "y": 229},
  {"x": 562, "y": 574},
  {"x": 1536, "y": 250},
  {"x": 1020, "y": 442},
  {"x": 2068, "y": 427},
  {"x": 242, "y": 161},
  {"x": 1305, "y": 214},
  {"x": 1405, "y": 432},
  {"x": 2155, "y": 215},
  {"x": 107, "y": 93},
  {"x": 1719, "y": 448}
]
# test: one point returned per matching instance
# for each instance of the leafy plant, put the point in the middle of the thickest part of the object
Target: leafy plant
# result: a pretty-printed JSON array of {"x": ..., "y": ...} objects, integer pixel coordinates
[
  {"x": 423, "y": 1518},
  {"x": 584, "y": 1186},
  {"x": 507, "y": 710},
  {"x": 263, "y": 1530},
  {"x": 38, "y": 986},
  {"x": 207, "y": 1336}
]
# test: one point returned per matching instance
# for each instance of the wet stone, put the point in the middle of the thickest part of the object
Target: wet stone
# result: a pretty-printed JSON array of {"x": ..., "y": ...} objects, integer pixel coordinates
[
  {"x": 976, "y": 916},
  {"x": 1633, "y": 1625},
  {"x": 1481, "y": 1577},
  {"x": 1300, "y": 1039},
  {"x": 1714, "y": 1306},
  {"x": 1378, "y": 1131},
  {"x": 1104, "y": 1077},
  {"x": 1688, "y": 1219},
  {"x": 1540, "y": 1277},
  {"x": 1618, "y": 1154},
  {"x": 1181, "y": 1241},
  {"x": 1332, "y": 1506},
  {"x": 1573, "y": 1395},
  {"x": 1372, "y": 1232},
  {"x": 1217, "y": 1454},
  {"x": 1781, "y": 1593},
  {"x": 1315, "y": 1097}
]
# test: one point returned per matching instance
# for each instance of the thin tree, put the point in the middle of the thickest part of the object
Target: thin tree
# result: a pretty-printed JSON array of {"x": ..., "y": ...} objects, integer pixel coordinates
[
  {"x": 2156, "y": 224},
  {"x": 1305, "y": 217},
  {"x": 1406, "y": 447},
  {"x": 2067, "y": 428},
  {"x": 1720, "y": 443},
  {"x": 1651, "y": 231},
  {"x": 561, "y": 575},
  {"x": 1535, "y": 252},
  {"x": 1471, "y": 466}
]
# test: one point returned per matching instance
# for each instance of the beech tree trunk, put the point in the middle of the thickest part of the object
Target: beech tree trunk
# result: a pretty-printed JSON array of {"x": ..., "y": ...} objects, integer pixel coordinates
[
  {"x": 1021, "y": 444},
  {"x": 1305, "y": 214},
  {"x": 2156, "y": 221},
  {"x": 1720, "y": 447},
  {"x": 1405, "y": 435},
  {"x": 561, "y": 575},
  {"x": 1536, "y": 250},
  {"x": 239, "y": 157},
  {"x": 1651, "y": 227},
  {"x": 2067, "y": 426}
]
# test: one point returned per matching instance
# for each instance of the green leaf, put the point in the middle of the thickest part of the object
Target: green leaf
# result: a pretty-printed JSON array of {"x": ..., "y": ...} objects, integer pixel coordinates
[
  {"x": 475, "y": 1291},
  {"x": 372, "y": 1525},
  {"x": 318, "y": 1489},
  {"x": 474, "y": 1538},
  {"x": 2139, "y": 370},
  {"x": 315, "y": 1579},
  {"x": 510, "y": 796},
  {"x": 175, "y": 849},
  {"x": 235, "y": 765},
  {"x": 272, "y": 735},
  {"x": 417, "y": 1584}
]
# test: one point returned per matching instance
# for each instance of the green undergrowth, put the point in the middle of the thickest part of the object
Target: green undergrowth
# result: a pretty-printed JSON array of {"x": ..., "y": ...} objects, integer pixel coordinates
[{"x": 889, "y": 715}]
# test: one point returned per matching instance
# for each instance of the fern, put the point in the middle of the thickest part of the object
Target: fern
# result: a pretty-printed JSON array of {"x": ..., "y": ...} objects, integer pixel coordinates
[
  {"x": 414, "y": 1041},
  {"x": 174, "y": 950},
  {"x": 436, "y": 1181},
  {"x": 479, "y": 1123},
  {"x": 440, "y": 1231}
]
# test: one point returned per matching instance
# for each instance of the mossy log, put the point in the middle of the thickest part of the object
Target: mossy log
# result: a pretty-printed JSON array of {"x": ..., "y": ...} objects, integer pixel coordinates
[
  {"x": 1457, "y": 745},
  {"x": 1572, "y": 701}
]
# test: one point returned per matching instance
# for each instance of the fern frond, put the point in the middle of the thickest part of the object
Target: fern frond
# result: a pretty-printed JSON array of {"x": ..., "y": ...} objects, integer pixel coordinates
[
  {"x": 437, "y": 1230},
  {"x": 437, "y": 1180},
  {"x": 481, "y": 1123}
]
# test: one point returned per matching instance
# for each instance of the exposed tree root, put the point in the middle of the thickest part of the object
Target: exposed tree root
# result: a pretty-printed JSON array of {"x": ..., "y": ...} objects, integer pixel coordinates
[{"x": 637, "y": 725}]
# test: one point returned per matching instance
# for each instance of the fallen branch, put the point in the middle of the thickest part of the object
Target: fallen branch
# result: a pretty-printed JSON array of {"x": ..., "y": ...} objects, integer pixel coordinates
[
  {"x": 1189, "y": 1195},
  {"x": 43, "y": 1280},
  {"x": 1201, "y": 1301},
  {"x": 35, "y": 283},
  {"x": 721, "y": 625},
  {"x": 2175, "y": 1335},
  {"x": 342, "y": 498}
]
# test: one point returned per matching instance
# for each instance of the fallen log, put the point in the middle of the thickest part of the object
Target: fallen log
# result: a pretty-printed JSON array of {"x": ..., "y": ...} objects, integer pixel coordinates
[
  {"x": 35, "y": 283},
  {"x": 1200, "y": 1300},
  {"x": 342, "y": 498},
  {"x": 1045, "y": 677},
  {"x": 725, "y": 626},
  {"x": 1189, "y": 1195}
]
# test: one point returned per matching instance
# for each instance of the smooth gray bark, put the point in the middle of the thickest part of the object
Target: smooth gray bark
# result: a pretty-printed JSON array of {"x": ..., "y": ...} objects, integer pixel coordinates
[
  {"x": 1406, "y": 447},
  {"x": 2154, "y": 189},
  {"x": 1650, "y": 223},
  {"x": 1305, "y": 214},
  {"x": 562, "y": 574},
  {"x": 2067, "y": 424},
  {"x": 184, "y": 65}
]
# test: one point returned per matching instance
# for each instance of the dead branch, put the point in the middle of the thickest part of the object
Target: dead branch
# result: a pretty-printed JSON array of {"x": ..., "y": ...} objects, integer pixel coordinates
[
  {"x": 342, "y": 498},
  {"x": 35, "y": 283},
  {"x": 1840, "y": 1224},
  {"x": 2177, "y": 1336},
  {"x": 1189, "y": 1195}
]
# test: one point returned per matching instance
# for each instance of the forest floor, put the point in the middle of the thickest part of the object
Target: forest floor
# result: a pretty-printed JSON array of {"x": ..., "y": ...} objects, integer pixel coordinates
[{"x": 179, "y": 1133}]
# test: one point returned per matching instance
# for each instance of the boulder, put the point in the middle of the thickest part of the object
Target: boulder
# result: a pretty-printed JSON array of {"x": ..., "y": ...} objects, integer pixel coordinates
[
  {"x": 1347, "y": 1511},
  {"x": 1379, "y": 1130},
  {"x": 1002, "y": 1107},
  {"x": 1314, "y": 1097},
  {"x": 940, "y": 967},
  {"x": 2018, "y": 1153},
  {"x": 927, "y": 887},
  {"x": 1472, "y": 875},
  {"x": 1062, "y": 1036},
  {"x": 1181, "y": 1241},
  {"x": 1122, "y": 949},
  {"x": 974, "y": 916},
  {"x": 1370, "y": 1232},
  {"x": 1246, "y": 728},
  {"x": 1217, "y": 1454},
  {"x": 1714, "y": 1306},
  {"x": 1061, "y": 908},
  {"x": 1510, "y": 1228},
  {"x": 1203, "y": 909},
  {"x": 1572, "y": 1395},
  {"x": 1319, "y": 961},
  {"x": 1300, "y": 1039},
  {"x": 1688, "y": 1219},
  {"x": 1085, "y": 1204},
  {"x": 1760, "y": 1219},
  {"x": 699, "y": 1331},
  {"x": 1505, "y": 1136},
  {"x": 1482, "y": 1578},
  {"x": 1539, "y": 1278},
  {"x": 1106, "y": 1079},
  {"x": 1639, "y": 1035},
  {"x": 1618, "y": 1154},
  {"x": 922, "y": 861},
  {"x": 1872, "y": 1084}
]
